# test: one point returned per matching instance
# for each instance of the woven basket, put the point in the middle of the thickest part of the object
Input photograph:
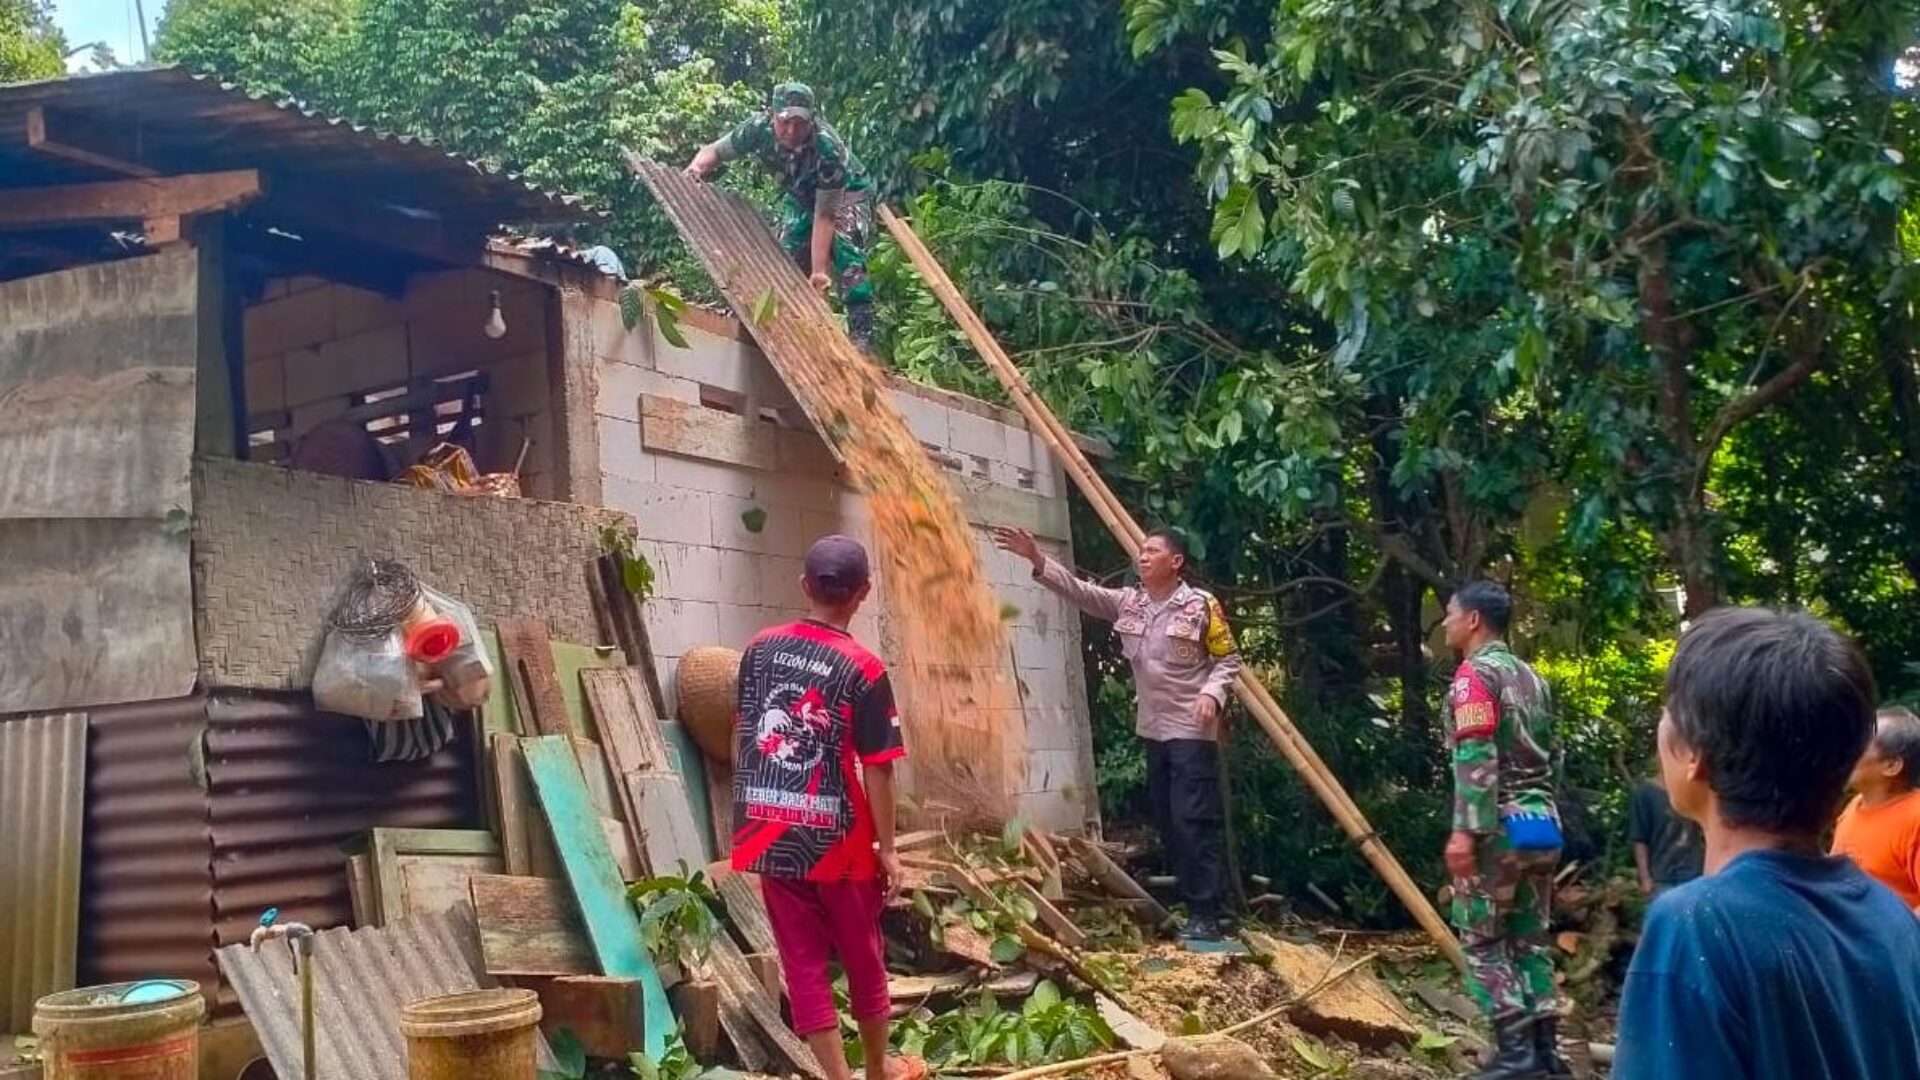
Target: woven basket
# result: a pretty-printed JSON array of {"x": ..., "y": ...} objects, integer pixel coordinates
[{"x": 707, "y": 684}]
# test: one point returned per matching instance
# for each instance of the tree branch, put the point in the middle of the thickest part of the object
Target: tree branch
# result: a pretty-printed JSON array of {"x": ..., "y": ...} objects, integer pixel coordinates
[
  {"x": 1744, "y": 407},
  {"x": 1395, "y": 546}
]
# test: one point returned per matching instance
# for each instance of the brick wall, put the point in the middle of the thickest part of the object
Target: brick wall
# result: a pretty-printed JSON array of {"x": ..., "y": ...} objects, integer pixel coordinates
[
  {"x": 313, "y": 345},
  {"x": 272, "y": 547},
  {"x": 720, "y": 582}
]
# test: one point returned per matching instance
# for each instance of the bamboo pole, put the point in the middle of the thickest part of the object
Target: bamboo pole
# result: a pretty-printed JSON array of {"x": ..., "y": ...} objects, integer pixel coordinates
[{"x": 1261, "y": 704}]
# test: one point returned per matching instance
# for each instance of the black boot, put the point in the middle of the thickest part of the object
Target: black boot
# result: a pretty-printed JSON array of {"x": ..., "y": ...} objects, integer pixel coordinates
[
  {"x": 1546, "y": 1041},
  {"x": 1515, "y": 1054},
  {"x": 860, "y": 326}
]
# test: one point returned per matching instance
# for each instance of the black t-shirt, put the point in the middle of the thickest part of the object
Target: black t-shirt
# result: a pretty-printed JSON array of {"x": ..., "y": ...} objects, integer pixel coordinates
[
  {"x": 1675, "y": 848},
  {"x": 814, "y": 705}
]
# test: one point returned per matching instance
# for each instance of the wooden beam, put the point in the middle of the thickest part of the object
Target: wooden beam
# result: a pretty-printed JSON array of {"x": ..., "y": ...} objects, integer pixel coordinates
[
  {"x": 129, "y": 200},
  {"x": 69, "y": 137},
  {"x": 372, "y": 220}
]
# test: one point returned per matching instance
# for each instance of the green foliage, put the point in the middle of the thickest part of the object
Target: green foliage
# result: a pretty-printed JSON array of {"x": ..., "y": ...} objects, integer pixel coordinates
[
  {"x": 31, "y": 47},
  {"x": 636, "y": 573},
  {"x": 287, "y": 48},
  {"x": 676, "y": 1063},
  {"x": 676, "y": 915},
  {"x": 999, "y": 925},
  {"x": 1048, "y": 1027}
]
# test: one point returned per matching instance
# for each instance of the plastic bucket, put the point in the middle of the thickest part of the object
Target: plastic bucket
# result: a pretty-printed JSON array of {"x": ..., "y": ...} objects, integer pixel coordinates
[
  {"x": 478, "y": 1035},
  {"x": 148, "y": 1030}
]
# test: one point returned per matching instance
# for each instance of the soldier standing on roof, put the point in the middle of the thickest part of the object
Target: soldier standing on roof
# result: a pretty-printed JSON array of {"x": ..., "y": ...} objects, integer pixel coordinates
[
  {"x": 828, "y": 208},
  {"x": 1183, "y": 656},
  {"x": 1506, "y": 833}
]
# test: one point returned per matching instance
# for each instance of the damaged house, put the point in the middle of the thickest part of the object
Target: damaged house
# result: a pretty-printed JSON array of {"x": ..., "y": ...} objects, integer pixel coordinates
[{"x": 229, "y": 328}]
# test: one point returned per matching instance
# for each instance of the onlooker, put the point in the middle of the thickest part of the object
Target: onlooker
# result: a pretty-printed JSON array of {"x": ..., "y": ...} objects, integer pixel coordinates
[
  {"x": 1667, "y": 848},
  {"x": 1781, "y": 962},
  {"x": 1880, "y": 829}
]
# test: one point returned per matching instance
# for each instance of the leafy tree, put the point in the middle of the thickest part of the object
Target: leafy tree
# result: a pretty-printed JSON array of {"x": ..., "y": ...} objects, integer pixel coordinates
[
  {"x": 283, "y": 48},
  {"x": 31, "y": 47}
]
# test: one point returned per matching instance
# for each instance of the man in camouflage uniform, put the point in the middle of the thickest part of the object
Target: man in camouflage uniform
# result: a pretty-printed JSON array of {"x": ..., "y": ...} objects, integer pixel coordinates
[
  {"x": 827, "y": 211},
  {"x": 1183, "y": 656},
  {"x": 1505, "y": 841}
]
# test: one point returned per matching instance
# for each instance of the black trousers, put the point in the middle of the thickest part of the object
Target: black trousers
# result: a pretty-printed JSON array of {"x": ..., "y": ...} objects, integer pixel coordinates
[{"x": 1183, "y": 783}]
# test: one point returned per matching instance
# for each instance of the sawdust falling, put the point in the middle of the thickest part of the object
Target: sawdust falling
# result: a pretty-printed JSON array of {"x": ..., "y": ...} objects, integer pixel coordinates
[{"x": 960, "y": 704}]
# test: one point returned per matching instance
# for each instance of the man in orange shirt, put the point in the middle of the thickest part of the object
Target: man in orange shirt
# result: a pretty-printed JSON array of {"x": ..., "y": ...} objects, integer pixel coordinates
[{"x": 1880, "y": 829}]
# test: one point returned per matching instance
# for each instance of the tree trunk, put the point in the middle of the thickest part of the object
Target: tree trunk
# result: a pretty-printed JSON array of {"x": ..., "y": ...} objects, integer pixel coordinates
[{"x": 1688, "y": 539}]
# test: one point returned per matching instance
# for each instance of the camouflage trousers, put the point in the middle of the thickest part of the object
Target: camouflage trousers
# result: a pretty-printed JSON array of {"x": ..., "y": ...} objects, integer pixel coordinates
[
  {"x": 852, "y": 235},
  {"x": 1502, "y": 914}
]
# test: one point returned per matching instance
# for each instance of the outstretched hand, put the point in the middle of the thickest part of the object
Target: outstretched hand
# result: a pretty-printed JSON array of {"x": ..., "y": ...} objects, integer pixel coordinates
[{"x": 1019, "y": 542}]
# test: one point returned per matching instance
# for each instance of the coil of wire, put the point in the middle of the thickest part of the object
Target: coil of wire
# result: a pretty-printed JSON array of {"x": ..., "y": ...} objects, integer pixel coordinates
[{"x": 377, "y": 599}]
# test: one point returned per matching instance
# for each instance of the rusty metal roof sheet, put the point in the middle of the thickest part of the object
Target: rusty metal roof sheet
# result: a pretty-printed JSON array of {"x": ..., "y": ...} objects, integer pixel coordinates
[
  {"x": 42, "y": 804},
  {"x": 362, "y": 979},
  {"x": 197, "y": 122},
  {"x": 288, "y": 786},
  {"x": 146, "y": 896}
]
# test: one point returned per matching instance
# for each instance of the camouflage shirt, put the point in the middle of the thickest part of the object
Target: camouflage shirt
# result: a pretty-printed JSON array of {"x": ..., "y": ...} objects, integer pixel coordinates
[
  {"x": 1500, "y": 721},
  {"x": 823, "y": 163}
]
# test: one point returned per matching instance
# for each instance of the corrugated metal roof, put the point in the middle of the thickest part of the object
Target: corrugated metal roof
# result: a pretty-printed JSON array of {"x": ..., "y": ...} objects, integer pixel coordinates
[
  {"x": 199, "y": 123},
  {"x": 146, "y": 896},
  {"x": 42, "y": 805},
  {"x": 289, "y": 785},
  {"x": 362, "y": 979}
]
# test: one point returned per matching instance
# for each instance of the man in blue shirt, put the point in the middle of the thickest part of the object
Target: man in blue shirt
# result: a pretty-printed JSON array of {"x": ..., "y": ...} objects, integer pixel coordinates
[{"x": 1781, "y": 962}]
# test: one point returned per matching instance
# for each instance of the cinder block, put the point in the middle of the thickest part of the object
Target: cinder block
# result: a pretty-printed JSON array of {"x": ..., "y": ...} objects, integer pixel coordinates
[
  {"x": 1023, "y": 447},
  {"x": 661, "y": 512},
  {"x": 737, "y": 577},
  {"x": 613, "y": 341},
  {"x": 356, "y": 311},
  {"x": 928, "y": 420},
  {"x": 1051, "y": 770},
  {"x": 712, "y": 477},
  {"x": 970, "y": 434},
  {"x": 780, "y": 578},
  {"x": 620, "y": 452},
  {"x": 1061, "y": 810},
  {"x": 266, "y": 382},
  {"x": 1051, "y": 727},
  {"x": 710, "y": 360},
  {"x": 780, "y": 527},
  {"x": 299, "y": 321},
  {"x": 375, "y": 360},
  {"x": 621, "y": 384},
  {"x": 687, "y": 572},
  {"x": 675, "y": 626},
  {"x": 305, "y": 417},
  {"x": 738, "y": 623},
  {"x": 1032, "y": 649}
]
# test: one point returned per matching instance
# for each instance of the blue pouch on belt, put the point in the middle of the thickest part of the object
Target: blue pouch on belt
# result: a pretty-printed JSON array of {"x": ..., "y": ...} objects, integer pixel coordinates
[{"x": 1532, "y": 832}]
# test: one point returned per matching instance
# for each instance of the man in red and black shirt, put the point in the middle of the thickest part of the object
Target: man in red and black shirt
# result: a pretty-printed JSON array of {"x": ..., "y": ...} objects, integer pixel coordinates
[{"x": 816, "y": 713}]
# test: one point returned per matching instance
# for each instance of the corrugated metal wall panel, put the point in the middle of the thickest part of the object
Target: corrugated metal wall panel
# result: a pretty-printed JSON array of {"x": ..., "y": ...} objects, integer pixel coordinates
[
  {"x": 146, "y": 896},
  {"x": 289, "y": 786},
  {"x": 42, "y": 806}
]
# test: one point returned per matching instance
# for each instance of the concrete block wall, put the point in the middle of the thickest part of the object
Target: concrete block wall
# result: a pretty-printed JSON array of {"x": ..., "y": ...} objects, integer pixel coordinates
[
  {"x": 312, "y": 346},
  {"x": 719, "y": 581}
]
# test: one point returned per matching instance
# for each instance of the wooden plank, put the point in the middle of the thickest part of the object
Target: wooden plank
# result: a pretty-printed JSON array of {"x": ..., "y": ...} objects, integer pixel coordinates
[
  {"x": 1116, "y": 880},
  {"x": 720, "y": 805},
  {"x": 1063, "y": 928},
  {"x": 612, "y": 926},
  {"x": 745, "y": 905},
  {"x": 697, "y": 1004},
  {"x": 630, "y": 629},
  {"x": 668, "y": 835},
  {"x": 528, "y": 927},
  {"x": 624, "y": 715},
  {"x": 740, "y": 985},
  {"x": 129, "y": 200},
  {"x": 600, "y": 782},
  {"x": 60, "y": 134},
  {"x": 669, "y": 426},
  {"x": 536, "y": 687},
  {"x": 362, "y": 892},
  {"x": 626, "y": 853},
  {"x": 600, "y": 1011},
  {"x": 525, "y": 843},
  {"x": 426, "y": 871},
  {"x": 748, "y": 1044}
]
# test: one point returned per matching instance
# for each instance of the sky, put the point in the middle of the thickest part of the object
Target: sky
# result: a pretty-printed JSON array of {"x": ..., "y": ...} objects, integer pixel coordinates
[{"x": 111, "y": 21}]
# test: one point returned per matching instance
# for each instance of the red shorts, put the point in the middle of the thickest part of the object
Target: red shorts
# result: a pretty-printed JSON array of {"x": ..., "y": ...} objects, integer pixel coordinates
[{"x": 814, "y": 922}]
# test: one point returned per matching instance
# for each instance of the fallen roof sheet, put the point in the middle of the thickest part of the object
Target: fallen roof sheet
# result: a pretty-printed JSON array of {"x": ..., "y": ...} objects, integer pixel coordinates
[
  {"x": 361, "y": 981},
  {"x": 43, "y": 781},
  {"x": 196, "y": 122}
]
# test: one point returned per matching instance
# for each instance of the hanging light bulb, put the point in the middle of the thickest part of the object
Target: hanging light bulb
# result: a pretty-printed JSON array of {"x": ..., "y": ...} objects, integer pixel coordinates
[{"x": 496, "y": 324}]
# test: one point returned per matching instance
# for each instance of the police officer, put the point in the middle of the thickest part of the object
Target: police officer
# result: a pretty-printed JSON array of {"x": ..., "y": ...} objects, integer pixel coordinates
[{"x": 1184, "y": 658}]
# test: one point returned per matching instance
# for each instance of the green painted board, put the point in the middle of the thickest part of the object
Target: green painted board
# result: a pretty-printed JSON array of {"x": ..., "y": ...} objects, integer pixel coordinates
[
  {"x": 568, "y": 661},
  {"x": 613, "y": 928},
  {"x": 687, "y": 760}
]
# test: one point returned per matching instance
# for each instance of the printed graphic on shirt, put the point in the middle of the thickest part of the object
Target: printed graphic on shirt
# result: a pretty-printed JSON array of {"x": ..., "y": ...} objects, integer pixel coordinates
[
  {"x": 1475, "y": 714},
  {"x": 812, "y": 704},
  {"x": 1219, "y": 636}
]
